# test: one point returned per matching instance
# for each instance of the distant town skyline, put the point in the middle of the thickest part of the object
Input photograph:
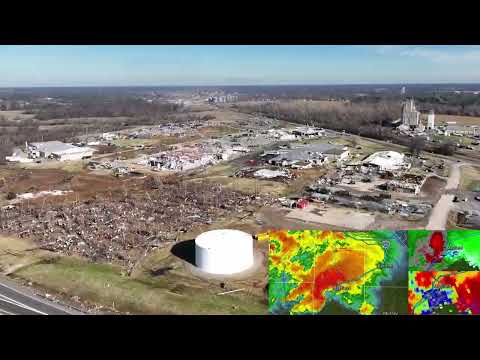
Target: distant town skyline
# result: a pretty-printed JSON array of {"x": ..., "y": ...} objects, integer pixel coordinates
[{"x": 219, "y": 65}]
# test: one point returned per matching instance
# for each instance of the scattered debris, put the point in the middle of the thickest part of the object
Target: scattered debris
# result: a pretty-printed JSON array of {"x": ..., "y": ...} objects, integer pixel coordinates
[
  {"x": 230, "y": 292},
  {"x": 302, "y": 203},
  {"x": 31, "y": 196},
  {"x": 123, "y": 227}
]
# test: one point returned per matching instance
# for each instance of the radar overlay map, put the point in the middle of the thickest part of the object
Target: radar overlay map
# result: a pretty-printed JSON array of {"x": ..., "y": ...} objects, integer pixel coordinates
[
  {"x": 444, "y": 292},
  {"x": 456, "y": 250},
  {"x": 444, "y": 272},
  {"x": 325, "y": 272}
]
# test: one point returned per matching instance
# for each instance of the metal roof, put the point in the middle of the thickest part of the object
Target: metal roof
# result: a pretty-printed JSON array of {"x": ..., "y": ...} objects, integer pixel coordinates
[
  {"x": 309, "y": 152},
  {"x": 52, "y": 146},
  {"x": 58, "y": 147}
]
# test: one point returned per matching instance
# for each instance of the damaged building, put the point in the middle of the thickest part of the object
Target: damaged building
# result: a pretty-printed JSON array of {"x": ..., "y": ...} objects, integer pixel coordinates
[
  {"x": 265, "y": 174},
  {"x": 51, "y": 150},
  {"x": 403, "y": 182},
  {"x": 307, "y": 156},
  {"x": 387, "y": 161},
  {"x": 379, "y": 202}
]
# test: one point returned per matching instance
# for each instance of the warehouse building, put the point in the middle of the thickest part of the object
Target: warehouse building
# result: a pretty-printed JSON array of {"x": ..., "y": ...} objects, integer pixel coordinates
[
  {"x": 58, "y": 150},
  {"x": 314, "y": 154}
]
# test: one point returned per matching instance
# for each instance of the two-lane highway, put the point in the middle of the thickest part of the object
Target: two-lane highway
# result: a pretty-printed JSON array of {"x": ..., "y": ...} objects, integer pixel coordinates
[{"x": 19, "y": 300}]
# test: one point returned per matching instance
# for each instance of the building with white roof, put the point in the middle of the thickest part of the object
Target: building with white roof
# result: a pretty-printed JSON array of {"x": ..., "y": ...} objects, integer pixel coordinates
[
  {"x": 58, "y": 150},
  {"x": 387, "y": 161}
]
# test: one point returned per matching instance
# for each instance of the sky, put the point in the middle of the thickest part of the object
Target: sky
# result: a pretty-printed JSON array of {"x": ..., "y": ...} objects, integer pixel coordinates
[{"x": 162, "y": 65}]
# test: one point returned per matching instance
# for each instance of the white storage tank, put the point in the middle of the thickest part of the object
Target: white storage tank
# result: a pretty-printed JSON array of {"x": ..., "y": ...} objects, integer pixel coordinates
[
  {"x": 224, "y": 251},
  {"x": 431, "y": 120}
]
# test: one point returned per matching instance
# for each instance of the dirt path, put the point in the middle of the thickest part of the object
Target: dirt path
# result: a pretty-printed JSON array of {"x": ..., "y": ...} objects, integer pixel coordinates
[
  {"x": 439, "y": 215},
  {"x": 454, "y": 178}
]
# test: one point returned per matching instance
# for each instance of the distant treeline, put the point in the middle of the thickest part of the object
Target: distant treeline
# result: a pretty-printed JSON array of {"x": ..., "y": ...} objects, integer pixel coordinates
[
  {"x": 368, "y": 120},
  {"x": 441, "y": 103},
  {"x": 92, "y": 107}
]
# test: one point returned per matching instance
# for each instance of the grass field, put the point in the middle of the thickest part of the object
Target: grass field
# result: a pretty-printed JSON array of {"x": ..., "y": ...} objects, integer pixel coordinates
[
  {"x": 173, "y": 292},
  {"x": 460, "y": 120},
  {"x": 69, "y": 166},
  {"x": 453, "y": 138},
  {"x": 470, "y": 178},
  {"x": 15, "y": 115}
]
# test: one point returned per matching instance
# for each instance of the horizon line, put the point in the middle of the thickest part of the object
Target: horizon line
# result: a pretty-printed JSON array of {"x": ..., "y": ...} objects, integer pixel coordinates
[{"x": 234, "y": 85}]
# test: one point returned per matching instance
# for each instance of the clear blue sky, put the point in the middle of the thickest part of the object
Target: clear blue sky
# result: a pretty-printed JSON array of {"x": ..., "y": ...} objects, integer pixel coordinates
[{"x": 235, "y": 65}]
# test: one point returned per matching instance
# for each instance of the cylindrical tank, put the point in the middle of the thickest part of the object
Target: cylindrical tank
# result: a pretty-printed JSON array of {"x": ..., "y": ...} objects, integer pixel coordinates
[
  {"x": 224, "y": 251},
  {"x": 431, "y": 120}
]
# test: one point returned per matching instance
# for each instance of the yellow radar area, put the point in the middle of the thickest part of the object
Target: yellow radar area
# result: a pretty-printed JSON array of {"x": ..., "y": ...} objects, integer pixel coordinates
[{"x": 311, "y": 269}]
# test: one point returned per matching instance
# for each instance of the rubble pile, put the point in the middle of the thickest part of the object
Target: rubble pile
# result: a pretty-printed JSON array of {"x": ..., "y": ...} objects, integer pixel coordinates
[
  {"x": 118, "y": 229},
  {"x": 191, "y": 156},
  {"x": 180, "y": 129},
  {"x": 31, "y": 196},
  {"x": 118, "y": 168},
  {"x": 267, "y": 174},
  {"x": 170, "y": 129},
  {"x": 184, "y": 158},
  {"x": 380, "y": 202},
  {"x": 468, "y": 219}
]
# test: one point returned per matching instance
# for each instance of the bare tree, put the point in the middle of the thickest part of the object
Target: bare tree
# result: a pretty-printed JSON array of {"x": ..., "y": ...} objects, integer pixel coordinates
[
  {"x": 446, "y": 148},
  {"x": 416, "y": 145}
]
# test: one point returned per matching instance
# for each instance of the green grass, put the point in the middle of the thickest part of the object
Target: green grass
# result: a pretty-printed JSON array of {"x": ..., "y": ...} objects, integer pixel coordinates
[
  {"x": 106, "y": 284},
  {"x": 454, "y": 138}
]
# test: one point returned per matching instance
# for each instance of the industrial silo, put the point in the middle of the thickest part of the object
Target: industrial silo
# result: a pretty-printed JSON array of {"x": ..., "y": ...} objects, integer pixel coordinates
[{"x": 224, "y": 251}]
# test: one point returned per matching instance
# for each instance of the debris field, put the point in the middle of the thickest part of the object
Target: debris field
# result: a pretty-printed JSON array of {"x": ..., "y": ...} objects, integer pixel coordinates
[{"x": 124, "y": 227}]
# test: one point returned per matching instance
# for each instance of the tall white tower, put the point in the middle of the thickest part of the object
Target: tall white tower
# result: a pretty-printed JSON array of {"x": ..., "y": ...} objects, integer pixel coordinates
[
  {"x": 410, "y": 115},
  {"x": 431, "y": 120}
]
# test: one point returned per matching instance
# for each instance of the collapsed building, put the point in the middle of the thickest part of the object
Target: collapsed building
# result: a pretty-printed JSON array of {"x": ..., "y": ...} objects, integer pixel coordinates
[
  {"x": 118, "y": 168},
  {"x": 18, "y": 155},
  {"x": 387, "y": 161},
  {"x": 188, "y": 157},
  {"x": 181, "y": 160},
  {"x": 407, "y": 183},
  {"x": 380, "y": 202},
  {"x": 387, "y": 165},
  {"x": 267, "y": 174},
  {"x": 306, "y": 156},
  {"x": 381, "y": 173},
  {"x": 299, "y": 132},
  {"x": 451, "y": 128}
]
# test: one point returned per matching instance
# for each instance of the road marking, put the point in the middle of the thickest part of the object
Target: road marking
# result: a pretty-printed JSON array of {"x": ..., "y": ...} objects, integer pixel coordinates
[
  {"x": 4, "y": 312},
  {"x": 34, "y": 298},
  {"x": 11, "y": 301}
]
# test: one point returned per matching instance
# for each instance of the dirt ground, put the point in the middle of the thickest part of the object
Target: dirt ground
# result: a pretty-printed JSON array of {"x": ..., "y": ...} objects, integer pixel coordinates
[
  {"x": 15, "y": 115},
  {"x": 313, "y": 217},
  {"x": 22, "y": 181},
  {"x": 338, "y": 217},
  {"x": 470, "y": 178},
  {"x": 433, "y": 188},
  {"x": 460, "y": 120}
]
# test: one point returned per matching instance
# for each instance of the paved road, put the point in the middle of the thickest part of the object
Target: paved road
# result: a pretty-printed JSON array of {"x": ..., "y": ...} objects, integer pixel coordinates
[
  {"x": 18, "y": 300},
  {"x": 439, "y": 216}
]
